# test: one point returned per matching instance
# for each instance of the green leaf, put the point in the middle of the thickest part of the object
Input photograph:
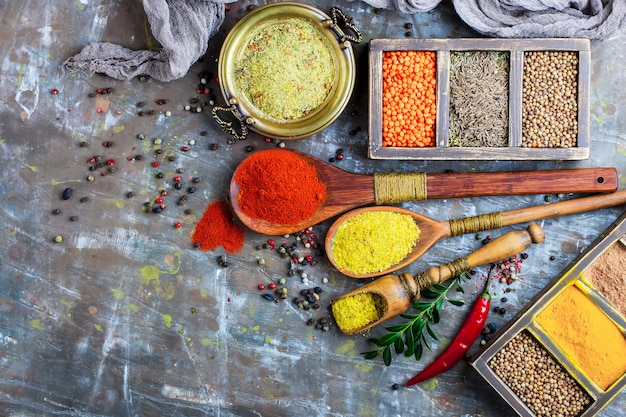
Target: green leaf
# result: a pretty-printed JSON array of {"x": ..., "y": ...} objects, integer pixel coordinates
[
  {"x": 428, "y": 293},
  {"x": 397, "y": 328},
  {"x": 387, "y": 339},
  {"x": 370, "y": 354},
  {"x": 436, "y": 317},
  {"x": 410, "y": 343},
  {"x": 387, "y": 355},
  {"x": 420, "y": 305},
  {"x": 425, "y": 341},
  {"x": 460, "y": 289},
  {"x": 399, "y": 345},
  {"x": 418, "y": 352},
  {"x": 458, "y": 303},
  {"x": 440, "y": 288},
  {"x": 409, "y": 316},
  {"x": 439, "y": 304},
  {"x": 431, "y": 332}
]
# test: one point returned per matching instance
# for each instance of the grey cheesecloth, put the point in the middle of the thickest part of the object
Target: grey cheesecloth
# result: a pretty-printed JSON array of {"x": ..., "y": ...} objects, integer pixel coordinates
[{"x": 184, "y": 27}]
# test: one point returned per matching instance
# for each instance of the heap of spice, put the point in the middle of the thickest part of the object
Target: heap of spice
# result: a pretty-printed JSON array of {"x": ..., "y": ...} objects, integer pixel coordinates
[
  {"x": 278, "y": 186},
  {"x": 479, "y": 98},
  {"x": 550, "y": 99},
  {"x": 356, "y": 311},
  {"x": 373, "y": 241},
  {"x": 286, "y": 68},
  {"x": 409, "y": 104},
  {"x": 218, "y": 228},
  {"x": 608, "y": 275},
  {"x": 537, "y": 379},
  {"x": 586, "y": 334}
]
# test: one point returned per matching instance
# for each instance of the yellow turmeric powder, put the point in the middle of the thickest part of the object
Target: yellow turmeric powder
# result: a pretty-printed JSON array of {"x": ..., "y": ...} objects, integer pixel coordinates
[
  {"x": 586, "y": 334},
  {"x": 356, "y": 311}
]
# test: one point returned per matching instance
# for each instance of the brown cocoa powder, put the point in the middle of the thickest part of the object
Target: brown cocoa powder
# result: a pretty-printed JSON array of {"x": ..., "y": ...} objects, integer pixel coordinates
[{"x": 608, "y": 274}]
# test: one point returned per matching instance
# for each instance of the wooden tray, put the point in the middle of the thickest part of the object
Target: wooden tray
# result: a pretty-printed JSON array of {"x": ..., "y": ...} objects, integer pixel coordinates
[
  {"x": 442, "y": 149},
  {"x": 525, "y": 321}
]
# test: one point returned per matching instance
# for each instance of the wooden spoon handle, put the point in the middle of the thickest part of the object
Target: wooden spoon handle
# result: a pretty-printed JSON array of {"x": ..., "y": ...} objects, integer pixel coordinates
[
  {"x": 495, "y": 220},
  {"x": 584, "y": 180},
  {"x": 503, "y": 247},
  {"x": 562, "y": 208}
]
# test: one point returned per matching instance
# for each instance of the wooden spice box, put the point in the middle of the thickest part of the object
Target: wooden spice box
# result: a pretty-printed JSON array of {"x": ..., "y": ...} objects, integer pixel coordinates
[
  {"x": 526, "y": 321},
  {"x": 514, "y": 150}
]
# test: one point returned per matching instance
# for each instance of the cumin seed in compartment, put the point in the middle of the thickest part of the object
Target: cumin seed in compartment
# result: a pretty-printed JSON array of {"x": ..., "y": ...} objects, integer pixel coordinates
[{"x": 479, "y": 98}]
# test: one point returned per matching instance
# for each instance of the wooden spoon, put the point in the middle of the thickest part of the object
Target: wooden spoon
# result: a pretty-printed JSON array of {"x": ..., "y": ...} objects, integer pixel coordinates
[
  {"x": 432, "y": 231},
  {"x": 397, "y": 292},
  {"x": 345, "y": 190}
]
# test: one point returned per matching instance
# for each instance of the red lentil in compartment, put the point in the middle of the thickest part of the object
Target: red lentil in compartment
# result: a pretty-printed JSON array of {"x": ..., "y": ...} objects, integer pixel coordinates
[{"x": 409, "y": 104}]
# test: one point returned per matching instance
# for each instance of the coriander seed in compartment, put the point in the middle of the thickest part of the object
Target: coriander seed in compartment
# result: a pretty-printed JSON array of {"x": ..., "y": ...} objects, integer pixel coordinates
[
  {"x": 537, "y": 379},
  {"x": 550, "y": 99}
]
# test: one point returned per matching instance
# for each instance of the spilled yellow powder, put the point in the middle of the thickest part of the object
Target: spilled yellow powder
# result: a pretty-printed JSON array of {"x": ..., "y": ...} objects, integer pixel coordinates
[
  {"x": 357, "y": 310},
  {"x": 587, "y": 335},
  {"x": 373, "y": 241}
]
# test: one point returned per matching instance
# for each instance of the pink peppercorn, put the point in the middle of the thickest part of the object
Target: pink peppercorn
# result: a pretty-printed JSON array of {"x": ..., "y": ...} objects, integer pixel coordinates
[
  {"x": 159, "y": 200},
  {"x": 178, "y": 225},
  {"x": 100, "y": 110},
  {"x": 261, "y": 287},
  {"x": 272, "y": 286},
  {"x": 54, "y": 91},
  {"x": 155, "y": 164},
  {"x": 111, "y": 162}
]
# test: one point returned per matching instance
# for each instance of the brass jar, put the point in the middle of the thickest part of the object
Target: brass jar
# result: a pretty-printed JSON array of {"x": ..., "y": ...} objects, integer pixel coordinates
[{"x": 243, "y": 110}]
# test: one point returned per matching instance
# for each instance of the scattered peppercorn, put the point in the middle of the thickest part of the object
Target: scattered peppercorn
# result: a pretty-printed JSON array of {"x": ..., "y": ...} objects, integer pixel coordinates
[
  {"x": 395, "y": 386},
  {"x": 56, "y": 211},
  {"x": 73, "y": 218},
  {"x": 213, "y": 146},
  {"x": 67, "y": 193}
]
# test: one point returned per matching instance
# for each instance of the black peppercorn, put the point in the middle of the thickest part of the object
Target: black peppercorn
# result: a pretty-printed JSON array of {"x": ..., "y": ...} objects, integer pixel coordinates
[
  {"x": 56, "y": 211},
  {"x": 67, "y": 193},
  {"x": 213, "y": 146}
]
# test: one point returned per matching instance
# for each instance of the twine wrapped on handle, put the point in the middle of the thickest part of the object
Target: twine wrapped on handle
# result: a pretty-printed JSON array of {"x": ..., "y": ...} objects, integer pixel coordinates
[
  {"x": 396, "y": 187},
  {"x": 475, "y": 223},
  {"x": 424, "y": 280}
]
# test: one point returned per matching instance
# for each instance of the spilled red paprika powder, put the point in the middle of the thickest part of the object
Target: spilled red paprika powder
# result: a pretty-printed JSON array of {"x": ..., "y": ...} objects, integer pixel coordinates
[
  {"x": 278, "y": 186},
  {"x": 217, "y": 228}
]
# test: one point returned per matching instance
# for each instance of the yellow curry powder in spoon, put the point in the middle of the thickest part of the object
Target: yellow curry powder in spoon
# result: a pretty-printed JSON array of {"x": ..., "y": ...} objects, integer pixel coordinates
[{"x": 373, "y": 241}]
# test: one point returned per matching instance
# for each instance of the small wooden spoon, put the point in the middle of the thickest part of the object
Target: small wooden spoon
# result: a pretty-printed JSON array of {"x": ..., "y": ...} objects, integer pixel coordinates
[
  {"x": 397, "y": 292},
  {"x": 432, "y": 231},
  {"x": 345, "y": 190}
]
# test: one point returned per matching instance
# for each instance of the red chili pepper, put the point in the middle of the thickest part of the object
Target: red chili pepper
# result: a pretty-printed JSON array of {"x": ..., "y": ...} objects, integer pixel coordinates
[{"x": 471, "y": 329}]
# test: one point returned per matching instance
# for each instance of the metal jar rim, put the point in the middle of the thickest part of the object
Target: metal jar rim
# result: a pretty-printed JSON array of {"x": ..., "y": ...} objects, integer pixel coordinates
[{"x": 327, "y": 112}]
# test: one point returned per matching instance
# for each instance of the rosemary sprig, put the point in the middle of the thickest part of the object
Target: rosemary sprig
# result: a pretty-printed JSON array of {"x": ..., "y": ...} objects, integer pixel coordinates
[{"x": 411, "y": 336}]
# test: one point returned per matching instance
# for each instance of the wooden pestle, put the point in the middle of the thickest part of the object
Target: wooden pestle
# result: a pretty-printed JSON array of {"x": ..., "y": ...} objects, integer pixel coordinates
[{"x": 398, "y": 292}]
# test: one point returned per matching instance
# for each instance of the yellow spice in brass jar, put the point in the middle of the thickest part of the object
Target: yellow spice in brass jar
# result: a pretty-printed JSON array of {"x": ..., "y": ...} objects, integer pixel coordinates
[
  {"x": 356, "y": 311},
  {"x": 285, "y": 69},
  {"x": 373, "y": 241}
]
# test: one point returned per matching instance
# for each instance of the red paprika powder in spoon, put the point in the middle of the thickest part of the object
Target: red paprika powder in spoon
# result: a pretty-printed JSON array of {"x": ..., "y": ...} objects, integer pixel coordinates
[{"x": 288, "y": 196}]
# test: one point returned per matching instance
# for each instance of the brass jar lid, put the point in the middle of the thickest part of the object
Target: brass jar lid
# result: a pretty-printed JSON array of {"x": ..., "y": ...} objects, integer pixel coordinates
[{"x": 286, "y": 71}]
